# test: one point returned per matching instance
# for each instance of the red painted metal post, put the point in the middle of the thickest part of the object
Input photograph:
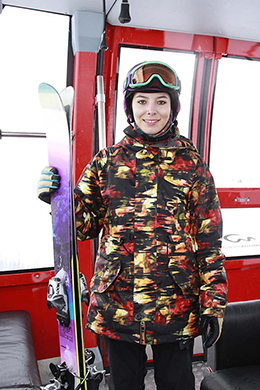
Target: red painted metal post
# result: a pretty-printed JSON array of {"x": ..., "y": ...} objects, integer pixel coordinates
[{"x": 83, "y": 123}]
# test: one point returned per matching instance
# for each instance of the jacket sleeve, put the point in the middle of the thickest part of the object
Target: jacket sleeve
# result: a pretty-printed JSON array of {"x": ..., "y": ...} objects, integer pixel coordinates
[
  {"x": 206, "y": 221},
  {"x": 89, "y": 206}
]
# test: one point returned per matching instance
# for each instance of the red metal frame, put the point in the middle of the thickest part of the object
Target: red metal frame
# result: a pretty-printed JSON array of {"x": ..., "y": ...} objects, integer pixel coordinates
[
  {"x": 230, "y": 197},
  {"x": 239, "y": 197},
  {"x": 197, "y": 96},
  {"x": 243, "y": 279},
  {"x": 28, "y": 290},
  {"x": 83, "y": 122},
  {"x": 117, "y": 36},
  {"x": 237, "y": 48}
]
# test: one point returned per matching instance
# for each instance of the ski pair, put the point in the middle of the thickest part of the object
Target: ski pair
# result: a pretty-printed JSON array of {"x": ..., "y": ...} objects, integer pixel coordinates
[{"x": 68, "y": 288}]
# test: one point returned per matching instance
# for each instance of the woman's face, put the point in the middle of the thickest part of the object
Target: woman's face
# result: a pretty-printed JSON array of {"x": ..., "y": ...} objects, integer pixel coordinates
[{"x": 151, "y": 111}]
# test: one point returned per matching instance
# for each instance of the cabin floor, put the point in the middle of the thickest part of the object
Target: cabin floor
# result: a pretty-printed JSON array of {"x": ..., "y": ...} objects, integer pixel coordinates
[{"x": 199, "y": 370}]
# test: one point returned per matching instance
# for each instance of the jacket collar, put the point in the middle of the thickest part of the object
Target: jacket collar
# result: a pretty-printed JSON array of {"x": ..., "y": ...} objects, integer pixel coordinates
[
  {"x": 174, "y": 140},
  {"x": 139, "y": 136}
]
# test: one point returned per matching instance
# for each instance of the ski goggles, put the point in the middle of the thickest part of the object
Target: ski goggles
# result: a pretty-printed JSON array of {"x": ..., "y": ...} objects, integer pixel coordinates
[{"x": 143, "y": 74}]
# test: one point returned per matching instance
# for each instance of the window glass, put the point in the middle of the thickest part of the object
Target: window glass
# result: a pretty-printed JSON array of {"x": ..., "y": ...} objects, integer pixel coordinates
[
  {"x": 25, "y": 226},
  {"x": 34, "y": 50},
  {"x": 234, "y": 151},
  {"x": 182, "y": 63}
]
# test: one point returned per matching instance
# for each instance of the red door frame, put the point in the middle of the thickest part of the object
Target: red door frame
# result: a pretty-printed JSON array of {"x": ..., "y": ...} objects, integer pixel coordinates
[
  {"x": 244, "y": 271},
  {"x": 116, "y": 36}
]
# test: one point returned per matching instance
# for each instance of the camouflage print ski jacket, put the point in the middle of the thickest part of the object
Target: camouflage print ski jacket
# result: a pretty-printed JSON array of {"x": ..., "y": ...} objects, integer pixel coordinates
[{"x": 159, "y": 265}]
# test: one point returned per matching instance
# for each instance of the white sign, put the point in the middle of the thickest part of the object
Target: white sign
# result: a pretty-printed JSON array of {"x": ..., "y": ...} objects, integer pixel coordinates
[{"x": 241, "y": 233}]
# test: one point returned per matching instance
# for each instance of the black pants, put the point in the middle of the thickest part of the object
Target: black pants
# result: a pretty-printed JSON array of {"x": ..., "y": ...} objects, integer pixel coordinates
[{"x": 127, "y": 362}]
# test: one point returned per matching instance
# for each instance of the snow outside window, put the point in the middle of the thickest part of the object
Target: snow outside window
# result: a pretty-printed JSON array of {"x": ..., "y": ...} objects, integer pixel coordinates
[{"x": 34, "y": 50}]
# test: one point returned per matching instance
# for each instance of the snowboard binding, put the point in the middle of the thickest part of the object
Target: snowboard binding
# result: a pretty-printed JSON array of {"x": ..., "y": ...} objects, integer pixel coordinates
[
  {"x": 58, "y": 298},
  {"x": 64, "y": 379},
  {"x": 83, "y": 289}
]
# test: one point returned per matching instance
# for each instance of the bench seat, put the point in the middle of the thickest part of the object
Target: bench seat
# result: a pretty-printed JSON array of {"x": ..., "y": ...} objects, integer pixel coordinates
[{"x": 18, "y": 364}]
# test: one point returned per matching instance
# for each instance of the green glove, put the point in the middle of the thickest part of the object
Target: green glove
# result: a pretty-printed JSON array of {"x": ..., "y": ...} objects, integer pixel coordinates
[
  {"x": 49, "y": 183},
  {"x": 210, "y": 329}
]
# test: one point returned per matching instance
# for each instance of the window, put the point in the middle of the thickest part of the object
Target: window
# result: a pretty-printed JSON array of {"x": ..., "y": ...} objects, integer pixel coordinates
[
  {"x": 34, "y": 50},
  {"x": 182, "y": 63},
  {"x": 234, "y": 151}
]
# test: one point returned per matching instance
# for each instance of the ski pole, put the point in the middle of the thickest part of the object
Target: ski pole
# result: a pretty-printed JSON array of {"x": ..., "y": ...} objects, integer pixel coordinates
[{"x": 100, "y": 101}]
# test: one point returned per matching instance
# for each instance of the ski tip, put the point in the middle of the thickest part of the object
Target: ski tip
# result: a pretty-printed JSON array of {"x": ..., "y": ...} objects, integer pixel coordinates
[
  {"x": 45, "y": 87},
  {"x": 49, "y": 97},
  {"x": 67, "y": 96},
  {"x": 68, "y": 90}
]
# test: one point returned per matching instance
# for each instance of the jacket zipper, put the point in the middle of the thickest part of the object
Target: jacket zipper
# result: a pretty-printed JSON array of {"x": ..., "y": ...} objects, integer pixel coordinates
[{"x": 142, "y": 332}]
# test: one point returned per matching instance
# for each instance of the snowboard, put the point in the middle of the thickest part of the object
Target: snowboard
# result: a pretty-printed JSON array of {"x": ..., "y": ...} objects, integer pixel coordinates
[{"x": 64, "y": 291}]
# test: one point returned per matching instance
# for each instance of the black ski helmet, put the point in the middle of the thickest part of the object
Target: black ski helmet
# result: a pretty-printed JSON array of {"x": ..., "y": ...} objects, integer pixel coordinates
[{"x": 151, "y": 76}]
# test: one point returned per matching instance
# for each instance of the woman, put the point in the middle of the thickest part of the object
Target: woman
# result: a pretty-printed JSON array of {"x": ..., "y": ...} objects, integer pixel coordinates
[{"x": 159, "y": 273}]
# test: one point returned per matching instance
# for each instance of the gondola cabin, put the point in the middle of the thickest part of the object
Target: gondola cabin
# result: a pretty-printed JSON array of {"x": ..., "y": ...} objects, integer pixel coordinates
[{"x": 213, "y": 46}]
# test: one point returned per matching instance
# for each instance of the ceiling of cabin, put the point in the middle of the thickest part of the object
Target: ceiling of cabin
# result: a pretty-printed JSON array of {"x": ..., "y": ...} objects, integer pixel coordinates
[{"x": 236, "y": 19}]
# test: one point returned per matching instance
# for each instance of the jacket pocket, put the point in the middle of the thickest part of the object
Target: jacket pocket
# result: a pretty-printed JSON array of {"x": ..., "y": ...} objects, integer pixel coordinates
[
  {"x": 184, "y": 273},
  {"x": 105, "y": 276}
]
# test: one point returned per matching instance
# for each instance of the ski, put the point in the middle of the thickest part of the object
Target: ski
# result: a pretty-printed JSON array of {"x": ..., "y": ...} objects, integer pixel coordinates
[{"x": 64, "y": 292}]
